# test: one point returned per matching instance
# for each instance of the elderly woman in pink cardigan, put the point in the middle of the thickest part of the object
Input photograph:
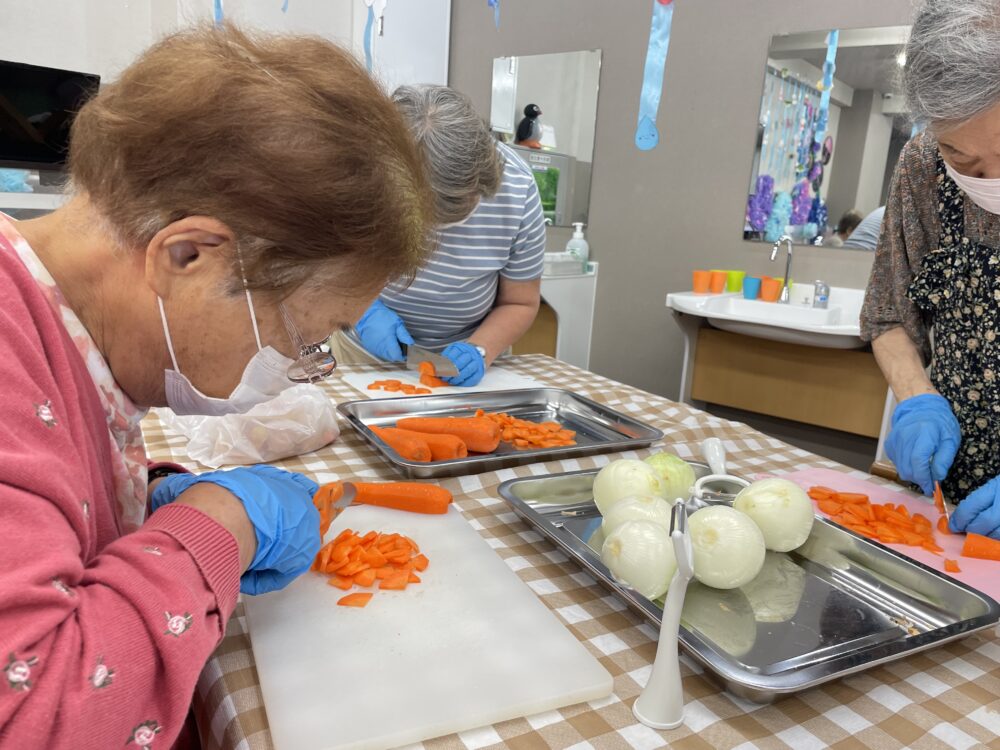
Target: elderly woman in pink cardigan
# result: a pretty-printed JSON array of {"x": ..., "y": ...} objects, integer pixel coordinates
[{"x": 233, "y": 198}]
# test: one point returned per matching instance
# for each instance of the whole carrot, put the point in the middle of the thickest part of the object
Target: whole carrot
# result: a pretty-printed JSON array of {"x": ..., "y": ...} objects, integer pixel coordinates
[
  {"x": 405, "y": 444},
  {"x": 443, "y": 447},
  {"x": 478, "y": 433},
  {"x": 409, "y": 496}
]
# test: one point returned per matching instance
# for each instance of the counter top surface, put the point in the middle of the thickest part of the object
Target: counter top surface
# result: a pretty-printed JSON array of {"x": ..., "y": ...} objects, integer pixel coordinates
[{"x": 945, "y": 698}]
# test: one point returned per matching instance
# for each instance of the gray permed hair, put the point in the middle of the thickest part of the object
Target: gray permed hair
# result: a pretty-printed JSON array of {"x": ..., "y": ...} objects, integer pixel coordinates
[
  {"x": 461, "y": 155},
  {"x": 952, "y": 70}
]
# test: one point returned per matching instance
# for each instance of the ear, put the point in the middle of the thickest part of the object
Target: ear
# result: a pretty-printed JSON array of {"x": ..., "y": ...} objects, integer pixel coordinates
[{"x": 195, "y": 246}]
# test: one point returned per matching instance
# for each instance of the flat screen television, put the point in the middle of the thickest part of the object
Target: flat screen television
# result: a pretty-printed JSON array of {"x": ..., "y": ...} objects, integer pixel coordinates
[{"x": 36, "y": 109}]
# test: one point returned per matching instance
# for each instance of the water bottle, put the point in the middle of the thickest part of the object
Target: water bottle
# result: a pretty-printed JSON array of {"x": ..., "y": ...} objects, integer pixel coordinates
[{"x": 821, "y": 295}]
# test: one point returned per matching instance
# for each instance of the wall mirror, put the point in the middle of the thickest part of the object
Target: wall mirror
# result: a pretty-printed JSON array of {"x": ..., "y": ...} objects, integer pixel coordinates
[
  {"x": 545, "y": 106},
  {"x": 831, "y": 125}
]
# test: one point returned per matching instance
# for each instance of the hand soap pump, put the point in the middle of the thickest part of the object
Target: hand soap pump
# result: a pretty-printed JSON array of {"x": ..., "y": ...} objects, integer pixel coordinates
[{"x": 578, "y": 246}]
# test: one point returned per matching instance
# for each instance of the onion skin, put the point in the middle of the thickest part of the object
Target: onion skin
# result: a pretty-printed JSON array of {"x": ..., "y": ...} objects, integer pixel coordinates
[
  {"x": 781, "y": 509},
  {"x": 728, "y": 547}
]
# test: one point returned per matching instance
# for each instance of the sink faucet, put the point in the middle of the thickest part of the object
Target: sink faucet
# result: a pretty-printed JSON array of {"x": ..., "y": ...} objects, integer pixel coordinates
[{"x": 783, "y": 299}]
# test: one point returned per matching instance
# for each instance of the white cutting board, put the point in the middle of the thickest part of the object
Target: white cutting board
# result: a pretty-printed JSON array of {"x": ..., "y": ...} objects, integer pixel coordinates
[
  {"x": 495, "y": 379},
  {"x": 469, "y": 646}
]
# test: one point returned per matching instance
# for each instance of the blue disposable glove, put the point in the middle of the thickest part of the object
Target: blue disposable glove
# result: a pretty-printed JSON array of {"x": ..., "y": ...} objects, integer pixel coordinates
[
  {"x": 470, "y": 363},
  {"x": 381, "y": 331},
  {"x": 279, "y": 505},
  {"x": 979, "y": 513},
  {"x": 924, "y": 440}
]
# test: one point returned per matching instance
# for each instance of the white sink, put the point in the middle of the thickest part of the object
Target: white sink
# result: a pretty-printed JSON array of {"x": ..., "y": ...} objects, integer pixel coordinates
[{"x": 798, "y": 322}]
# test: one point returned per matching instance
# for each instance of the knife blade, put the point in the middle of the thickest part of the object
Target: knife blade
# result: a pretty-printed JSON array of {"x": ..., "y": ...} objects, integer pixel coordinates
[
  {"x": 940, "y": 503},
  {"x": 443, "y": 367}
]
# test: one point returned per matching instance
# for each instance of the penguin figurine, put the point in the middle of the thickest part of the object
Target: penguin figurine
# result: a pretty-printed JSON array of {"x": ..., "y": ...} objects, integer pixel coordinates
[{"x": 529, "y": 131}]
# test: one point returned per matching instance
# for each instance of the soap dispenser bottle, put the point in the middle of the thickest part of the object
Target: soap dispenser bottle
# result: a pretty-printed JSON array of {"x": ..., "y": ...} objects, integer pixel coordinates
[{"x": 578, "y": 246}]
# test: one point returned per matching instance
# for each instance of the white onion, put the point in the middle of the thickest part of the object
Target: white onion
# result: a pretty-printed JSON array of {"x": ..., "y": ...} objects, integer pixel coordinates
[
  {"x": 676, "y": 473},
  {"x": 777, "y": 590},
  {"x": 637, "y": 508},
  {"x": 724, "y": 618},
  {"x": 781, "y": 509},
  {"x": 640, "y": 554},
  {"x": 728, "y": 547},
  {"x": 623, "y": 478}
]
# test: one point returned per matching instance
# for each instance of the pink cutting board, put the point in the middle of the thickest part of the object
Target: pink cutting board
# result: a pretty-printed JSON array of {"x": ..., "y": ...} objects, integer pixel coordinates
[{"x": 983, "y": 575}]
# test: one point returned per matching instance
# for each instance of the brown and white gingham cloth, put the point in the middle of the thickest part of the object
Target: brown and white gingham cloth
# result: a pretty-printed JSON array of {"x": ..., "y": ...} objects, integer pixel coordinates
[{"x": 945, "y": 698}]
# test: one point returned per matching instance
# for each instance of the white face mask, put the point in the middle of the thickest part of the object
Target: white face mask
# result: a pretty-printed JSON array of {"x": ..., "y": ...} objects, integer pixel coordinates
[
  {"x": 265, "y": 376},
  {"x": 985, "y": 193}
]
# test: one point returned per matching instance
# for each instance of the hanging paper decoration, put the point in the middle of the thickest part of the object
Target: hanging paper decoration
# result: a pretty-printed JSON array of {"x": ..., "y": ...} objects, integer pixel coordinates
[
  {"x": 759, "y": 204},
  {"x": 646, "y": 135},
  {"x": 819, "y": 215},
  {"x": 781, "y": 212},
  {"x": 373, "y": 25},
  {"x": 829, "y": 68},
  {"x": 495, "y": 4},
  {"x": 801, "y": 203},
  {"x": 284, "y": 7},
  {"x": 217, "y": 13}
]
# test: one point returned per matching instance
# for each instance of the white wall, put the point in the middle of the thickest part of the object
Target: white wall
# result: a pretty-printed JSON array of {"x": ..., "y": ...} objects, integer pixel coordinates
[{"x": 103, "y": 36}]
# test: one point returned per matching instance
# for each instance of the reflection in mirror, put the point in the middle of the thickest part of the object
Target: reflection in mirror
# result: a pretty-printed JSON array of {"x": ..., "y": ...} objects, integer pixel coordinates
[
  {"x": 545, "y": 106},
  {"x": 832, "y": 124}
]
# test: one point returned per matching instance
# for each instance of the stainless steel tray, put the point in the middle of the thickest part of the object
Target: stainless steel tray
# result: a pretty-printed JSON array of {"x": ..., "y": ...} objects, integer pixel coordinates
[
  {"x": 837, "y": 605},
  {"x": 599, "y": 429}
]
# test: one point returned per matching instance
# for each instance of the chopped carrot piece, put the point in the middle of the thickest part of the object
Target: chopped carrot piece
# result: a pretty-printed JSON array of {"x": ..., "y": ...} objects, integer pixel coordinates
[
  {"x": 359, "y": 599},
  {"x": 413, "y": 578},
  {"x": 942, "y": 525},
  {"x": 420, "y": 562},
  {"x": 384, "y": 572},
  {"x": 951, "y": 566},
  {"x": 395, "y": 582},
  {"x": 365, "y": 577},
  {"x": 850, "y": 497},
  {"x": 340, "y": 582}
]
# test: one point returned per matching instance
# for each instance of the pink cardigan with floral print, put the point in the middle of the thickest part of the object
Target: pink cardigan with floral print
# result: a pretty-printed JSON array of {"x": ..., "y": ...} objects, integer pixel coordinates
[{"x": 102, "y": 635}]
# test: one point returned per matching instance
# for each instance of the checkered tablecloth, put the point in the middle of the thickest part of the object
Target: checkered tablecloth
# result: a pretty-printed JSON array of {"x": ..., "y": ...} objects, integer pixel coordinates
[{"x": 945, "y": 698}]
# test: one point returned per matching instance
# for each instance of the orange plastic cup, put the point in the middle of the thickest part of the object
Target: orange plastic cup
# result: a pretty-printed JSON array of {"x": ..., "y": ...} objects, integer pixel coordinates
[
  {"x": 770, "y": 289},
  {"x": 700, "y": 281},
  {"x": 717, "y": 284}
]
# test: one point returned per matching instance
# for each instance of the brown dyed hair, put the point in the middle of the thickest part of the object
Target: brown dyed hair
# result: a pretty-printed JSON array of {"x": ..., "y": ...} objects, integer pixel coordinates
[{"x": 284, "y": 138}]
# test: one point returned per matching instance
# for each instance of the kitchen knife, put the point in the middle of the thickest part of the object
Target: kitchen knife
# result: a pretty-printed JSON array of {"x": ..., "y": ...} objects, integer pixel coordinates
[
  {"x": 443, "y": 367},
  {"x": 940, "y": 503}
]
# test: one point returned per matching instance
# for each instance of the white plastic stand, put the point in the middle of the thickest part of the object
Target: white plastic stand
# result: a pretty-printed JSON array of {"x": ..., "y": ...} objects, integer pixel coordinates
[{"x": 661, "y": 703}]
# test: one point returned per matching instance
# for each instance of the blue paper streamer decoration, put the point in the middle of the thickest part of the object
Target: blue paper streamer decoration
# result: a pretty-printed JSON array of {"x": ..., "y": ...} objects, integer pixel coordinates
[
  {"x": 646, "y": 135},
  {"x": 495, "y": 4},
  {"x": 781, "y": 212},
  {"x": 217, "y": 13},
  {"x": 284, "y": 7},
  {"x": 369, "y": 30},
  {"x": 829, "y": 68}
]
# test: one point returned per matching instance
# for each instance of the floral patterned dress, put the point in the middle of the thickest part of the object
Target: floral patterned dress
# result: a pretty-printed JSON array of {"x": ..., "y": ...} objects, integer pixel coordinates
[
  {"x": 958, "y": 292},
  {"x": 128, "y": 453}
]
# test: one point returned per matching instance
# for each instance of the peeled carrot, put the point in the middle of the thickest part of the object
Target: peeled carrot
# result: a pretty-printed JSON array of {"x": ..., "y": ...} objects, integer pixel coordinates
[
  {"x": 951, "y": 566},
  {"x": 939, "y": 498},
  {"x": 432, "y": 381},
  {"x": 413, "y": 497},
  {"x": 478, "y": 433},
  {"x": 408, "y": 446},
  {"x": 359, "y": 599},
  {"x": 981, "y": 547},
  {"x": 442, "y": 447}
]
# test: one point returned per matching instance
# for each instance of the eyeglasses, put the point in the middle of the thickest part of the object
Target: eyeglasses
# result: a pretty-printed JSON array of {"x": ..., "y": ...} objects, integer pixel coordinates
[{"x": 316, "y": 361}]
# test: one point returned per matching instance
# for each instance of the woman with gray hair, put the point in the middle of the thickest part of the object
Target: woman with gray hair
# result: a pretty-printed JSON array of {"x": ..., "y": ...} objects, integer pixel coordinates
[
  {"x": 479, "y": 292},
  {"x": 935, "y": 284}
]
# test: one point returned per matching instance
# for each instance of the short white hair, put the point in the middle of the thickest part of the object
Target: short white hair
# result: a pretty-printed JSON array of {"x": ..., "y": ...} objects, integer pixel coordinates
[{"x": 952, "y": 70}]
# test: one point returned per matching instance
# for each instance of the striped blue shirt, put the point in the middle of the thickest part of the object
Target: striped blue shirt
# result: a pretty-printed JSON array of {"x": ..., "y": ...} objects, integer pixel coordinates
[{"x": 456, "y": 290}]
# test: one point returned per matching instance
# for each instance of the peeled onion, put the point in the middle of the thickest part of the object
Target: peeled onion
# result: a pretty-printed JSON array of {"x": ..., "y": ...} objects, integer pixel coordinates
[
  {"x": 676, "y": 473},
  {"x": 777, "y": 590},
  {"x": 728, "y": 547},
  {"x": 638, "y": 508},
  {"x": 781, "y": 509},
  {"x": 640, "y": 554},
  {"x": 623, "y": 478}
]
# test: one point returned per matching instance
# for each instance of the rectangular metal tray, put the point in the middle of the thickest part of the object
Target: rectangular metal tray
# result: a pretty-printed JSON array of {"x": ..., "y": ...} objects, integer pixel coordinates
[
  {"x": 837, "y": 605},
  {"x": 599, "y": 429}
]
